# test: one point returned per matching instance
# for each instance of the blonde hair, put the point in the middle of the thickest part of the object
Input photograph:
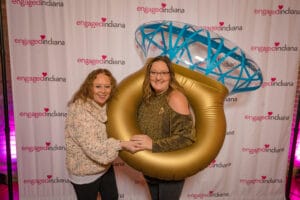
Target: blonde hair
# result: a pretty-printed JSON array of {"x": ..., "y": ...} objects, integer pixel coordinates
[{"x": 148, "y": 91}]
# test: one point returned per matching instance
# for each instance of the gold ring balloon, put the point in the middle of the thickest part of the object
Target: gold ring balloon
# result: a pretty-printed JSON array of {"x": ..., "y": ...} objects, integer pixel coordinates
[{"x": 208, "y": 71}]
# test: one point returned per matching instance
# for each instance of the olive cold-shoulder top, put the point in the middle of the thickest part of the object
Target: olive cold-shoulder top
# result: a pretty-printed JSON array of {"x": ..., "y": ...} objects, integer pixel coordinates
[{"x": 168, "y": 129}]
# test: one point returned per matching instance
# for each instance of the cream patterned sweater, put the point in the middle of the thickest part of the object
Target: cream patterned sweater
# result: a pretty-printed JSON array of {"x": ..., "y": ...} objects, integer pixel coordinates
[{"x": 88, "y": 149}]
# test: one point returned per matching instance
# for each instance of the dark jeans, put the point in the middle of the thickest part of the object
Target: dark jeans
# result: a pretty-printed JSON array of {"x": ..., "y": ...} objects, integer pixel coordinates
[
  {"x": 106, "y": 185},
  {"x": 164, "y": 190}
]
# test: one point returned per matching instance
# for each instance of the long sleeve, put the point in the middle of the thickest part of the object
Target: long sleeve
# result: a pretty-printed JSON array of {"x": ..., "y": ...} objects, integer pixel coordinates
[
  {"x": 182, "y": 134},
  {"x": 91, "y": 136},
  {"x": 88, "y": 147}
]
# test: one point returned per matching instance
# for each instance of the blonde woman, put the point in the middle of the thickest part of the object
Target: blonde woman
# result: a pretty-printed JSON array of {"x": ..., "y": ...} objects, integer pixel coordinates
[{"x": 165, "y": 119}]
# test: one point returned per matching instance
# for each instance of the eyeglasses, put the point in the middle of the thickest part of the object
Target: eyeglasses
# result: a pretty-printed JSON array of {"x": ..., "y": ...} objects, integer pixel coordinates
[{"x": 152, "y": 73}]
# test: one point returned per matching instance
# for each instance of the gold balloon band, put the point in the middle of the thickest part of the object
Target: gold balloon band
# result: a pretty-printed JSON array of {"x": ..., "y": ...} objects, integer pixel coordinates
[{"x": 206, "y": 97}]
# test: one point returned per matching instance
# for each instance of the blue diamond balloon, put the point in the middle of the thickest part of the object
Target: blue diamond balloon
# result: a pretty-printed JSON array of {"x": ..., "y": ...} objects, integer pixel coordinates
[{"x": 200, "y": 50}]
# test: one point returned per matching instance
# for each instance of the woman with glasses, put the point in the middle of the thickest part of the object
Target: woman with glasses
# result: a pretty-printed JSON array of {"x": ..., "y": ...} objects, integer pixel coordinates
[{"x": 165, "y": 118}]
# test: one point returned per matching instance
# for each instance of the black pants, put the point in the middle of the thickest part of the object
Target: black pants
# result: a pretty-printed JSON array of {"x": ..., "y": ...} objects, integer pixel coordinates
[
  {"x": 164, "y": 190},
  {"x": 106, "y": 185}
]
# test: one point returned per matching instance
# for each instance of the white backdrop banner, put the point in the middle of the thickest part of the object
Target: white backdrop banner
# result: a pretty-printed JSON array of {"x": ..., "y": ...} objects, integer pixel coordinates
[{"x": 54, "y": 44}]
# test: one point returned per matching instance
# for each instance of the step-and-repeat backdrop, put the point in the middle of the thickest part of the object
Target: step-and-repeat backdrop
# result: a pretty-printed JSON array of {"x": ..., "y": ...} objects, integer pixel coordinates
[{"x": 54, "y": 44}]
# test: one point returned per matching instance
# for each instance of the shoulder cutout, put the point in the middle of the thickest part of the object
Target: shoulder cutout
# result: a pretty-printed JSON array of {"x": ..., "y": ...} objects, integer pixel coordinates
[{"x": 178, "y": 102}]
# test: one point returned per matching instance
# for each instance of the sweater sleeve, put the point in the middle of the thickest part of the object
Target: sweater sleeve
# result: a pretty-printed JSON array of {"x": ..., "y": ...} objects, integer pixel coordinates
[
  {"x": 90, "y": 135},
  {"x": 182, "y": 134}
]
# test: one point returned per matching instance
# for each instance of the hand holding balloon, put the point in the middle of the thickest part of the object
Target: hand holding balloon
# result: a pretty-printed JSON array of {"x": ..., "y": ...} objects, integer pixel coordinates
[{"x": 142, "y": 142}]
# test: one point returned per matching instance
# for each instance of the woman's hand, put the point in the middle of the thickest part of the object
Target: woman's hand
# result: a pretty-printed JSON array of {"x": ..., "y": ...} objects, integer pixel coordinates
[
  {"x": 129, "y": 146},
  {"x": 142, "y": 142}
]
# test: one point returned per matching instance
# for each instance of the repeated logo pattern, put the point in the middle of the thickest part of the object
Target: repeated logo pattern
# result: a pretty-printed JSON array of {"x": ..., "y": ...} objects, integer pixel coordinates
[{"x": 43, "y": 40}]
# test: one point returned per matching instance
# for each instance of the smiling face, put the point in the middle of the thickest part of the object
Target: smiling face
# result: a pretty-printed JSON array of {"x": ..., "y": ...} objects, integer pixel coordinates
[
  {"x": 101, "y": 89},
  {"x": 159, "y": 77}
]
